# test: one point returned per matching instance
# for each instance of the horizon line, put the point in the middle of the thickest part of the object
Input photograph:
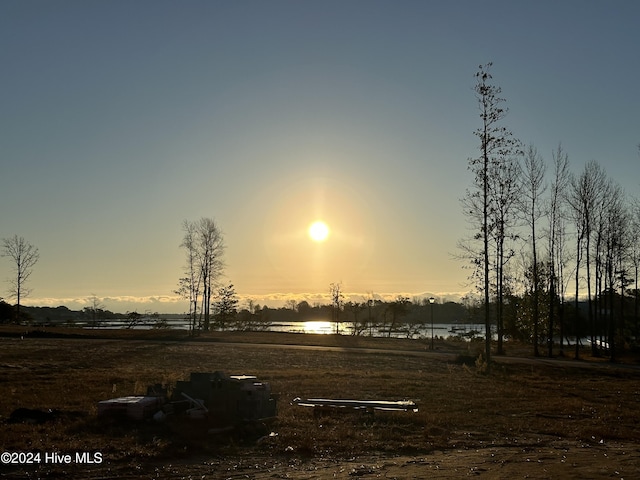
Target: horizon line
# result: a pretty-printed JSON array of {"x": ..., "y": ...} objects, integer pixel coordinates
[
  {"x": 163, "y": 303},
  {"x": 271, "y": 300}
]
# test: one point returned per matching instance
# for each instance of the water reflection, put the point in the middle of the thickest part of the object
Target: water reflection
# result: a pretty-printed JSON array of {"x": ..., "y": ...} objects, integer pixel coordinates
[
  {"x": 325, "y": 327},
  {"x": 318, "y": 326}
]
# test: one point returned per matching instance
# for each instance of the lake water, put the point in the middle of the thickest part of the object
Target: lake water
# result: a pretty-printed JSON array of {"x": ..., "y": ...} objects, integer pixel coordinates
[
  {"x": 323, "y": 327},
  {"x": 443, "y": 330}
]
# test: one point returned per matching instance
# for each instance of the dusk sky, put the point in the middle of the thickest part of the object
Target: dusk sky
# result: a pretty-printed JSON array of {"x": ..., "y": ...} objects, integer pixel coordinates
[{"x": 121, "y": 119}]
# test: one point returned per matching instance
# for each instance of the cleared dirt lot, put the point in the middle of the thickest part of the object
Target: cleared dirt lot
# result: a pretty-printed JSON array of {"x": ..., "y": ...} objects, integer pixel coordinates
[{"x": 542, "y": 419}]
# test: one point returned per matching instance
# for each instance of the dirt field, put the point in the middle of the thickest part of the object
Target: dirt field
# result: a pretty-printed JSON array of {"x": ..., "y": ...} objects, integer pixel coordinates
[{"x": 529, "y": 418}]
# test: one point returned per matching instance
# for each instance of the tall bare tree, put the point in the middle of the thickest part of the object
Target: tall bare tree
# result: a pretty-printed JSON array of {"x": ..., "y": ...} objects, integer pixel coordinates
[
  {"x": 616, "y": 244},
  {"x": 556, "y": 239},
  {"x": 189, "y": 285},
  {"x": 601, "y": 255},
  {"x": 584, "y": 195},
  {"x": 532, "y": 176},
  {"x": 594, "y": 186},
  {"x": 24, "y": 256},
  {"x": 204, "y": 245},
  {"x": 578, "y": 218},
  {"x": 505, "y": 187},
  {"x": 496, "y": 144},
  {"x": 210, "y": 248}
]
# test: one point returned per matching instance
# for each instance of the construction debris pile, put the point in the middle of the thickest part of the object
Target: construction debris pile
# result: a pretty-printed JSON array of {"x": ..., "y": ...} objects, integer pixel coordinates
[{"x": 217, "y": 399}]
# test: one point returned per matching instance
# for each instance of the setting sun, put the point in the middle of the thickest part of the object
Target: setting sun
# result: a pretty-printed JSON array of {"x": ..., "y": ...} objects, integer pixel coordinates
[{"x": 318, "y": 231}]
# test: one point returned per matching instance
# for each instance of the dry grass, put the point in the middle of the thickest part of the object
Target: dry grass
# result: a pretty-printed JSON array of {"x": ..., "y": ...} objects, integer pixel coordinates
[{"x": 459, "y": 407}]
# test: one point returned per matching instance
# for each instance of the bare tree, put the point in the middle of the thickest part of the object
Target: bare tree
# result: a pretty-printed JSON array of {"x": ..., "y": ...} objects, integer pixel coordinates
[
  {"x": 355, "y": 308},
  {"x": 291, "y": 304},
  {"x": 556, "y": 239},
  {"x": 189, "y": 285},
  {"x": 560, "y": 280},
  {"x": 505, "y": 190},
  {"x": 95, "y": 309},
  {"x": 496, "y": 144},
  {"x": 531, "y": 206},
  {"x": 133, "y": 319},
  {"x": 593, "y": 187},
  {"x": 398, "y": 309},
  {"x": 204, "y": 245},
  {"x": 211, "y": 249},
  {"x": 578, "y": 218},
  {"x": 24, "y": 256},
  {"x": 335, "y": 290},
  {"x": 585, "y": 191},
  {"x": 616, "y": 244},
  {"x": 601, "y": 254}
]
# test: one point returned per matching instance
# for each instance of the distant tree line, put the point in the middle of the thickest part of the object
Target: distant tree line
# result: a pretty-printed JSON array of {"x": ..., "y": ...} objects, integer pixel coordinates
[
  {"x": 90, "y": 317},
  {"x": 400, "y": 316},
  {"x": 543, "y": 239},
  {"x": 55, "y": 315}
]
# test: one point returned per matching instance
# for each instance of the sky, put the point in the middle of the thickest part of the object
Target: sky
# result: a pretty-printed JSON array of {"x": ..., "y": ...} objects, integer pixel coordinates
[{"x": 121, "y": 119}]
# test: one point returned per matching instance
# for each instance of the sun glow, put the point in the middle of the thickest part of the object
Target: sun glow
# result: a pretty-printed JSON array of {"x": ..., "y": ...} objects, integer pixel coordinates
[{"x": 318, "y": 231}]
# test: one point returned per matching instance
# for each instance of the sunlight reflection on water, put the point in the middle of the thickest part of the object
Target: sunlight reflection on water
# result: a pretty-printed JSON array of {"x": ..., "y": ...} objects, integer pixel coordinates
[
  {"x": 318, "y": 326},
  {"x": 325, "y": 327}
]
